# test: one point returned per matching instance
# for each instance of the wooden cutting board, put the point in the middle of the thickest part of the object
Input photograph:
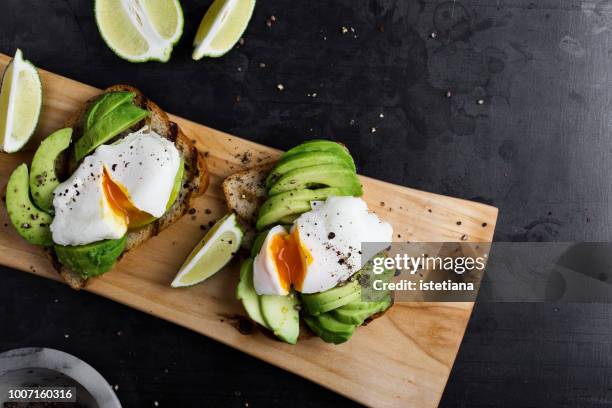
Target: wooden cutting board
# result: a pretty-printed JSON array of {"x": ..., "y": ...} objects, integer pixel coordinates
[{"x": 402, "y": 359}]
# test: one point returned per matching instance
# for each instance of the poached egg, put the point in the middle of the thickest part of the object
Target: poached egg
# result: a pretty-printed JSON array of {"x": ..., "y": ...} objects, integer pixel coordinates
[
  {"x": 321, "y": 249},
  {"x": 120, "y": 185}
]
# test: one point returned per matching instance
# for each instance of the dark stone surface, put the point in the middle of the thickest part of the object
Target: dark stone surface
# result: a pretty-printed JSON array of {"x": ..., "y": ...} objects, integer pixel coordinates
[{"x": 537, "y": 146}]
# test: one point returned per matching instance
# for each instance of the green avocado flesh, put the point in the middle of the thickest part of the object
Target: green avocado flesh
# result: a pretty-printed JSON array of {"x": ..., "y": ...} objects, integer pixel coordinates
[
  {"x": 282, "y": 316},
  {"x": 30, "y": 222},
  {"x": 107, "y": 103},
  {"x": 305, "y": 159},
  {"x": 317, "y": 303},
  {"x": 321, "y": 145},
  {"x": 314, "y": 170},
  {"x": 43, "y": 179},
  {"x": 108, "y": 120},
  {"x": 245, "y": 292},
  {"x": 178, "y": 183},
  {"x": 277, "y": 313},
  {"x": 357, "y": 312},
  {"x": 329, "y": 329},
  {"x": 258, "y": 242},
  {"x": 92, "y": 259},
  {"x": 325, "y": 175},
  {"x": 294, "y": 202},
  {"x": 288, "y": 219}
]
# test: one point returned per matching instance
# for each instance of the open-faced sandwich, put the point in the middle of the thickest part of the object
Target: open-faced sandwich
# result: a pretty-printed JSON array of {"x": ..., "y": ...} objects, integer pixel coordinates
[
  {"x": 306, "y": 259},
  {"x": 118, "y": 174}
]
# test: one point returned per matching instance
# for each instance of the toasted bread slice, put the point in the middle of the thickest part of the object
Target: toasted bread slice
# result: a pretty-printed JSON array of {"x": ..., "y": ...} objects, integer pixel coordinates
[
  {"x": 245, "y": 191},
  {"x": 195, "y": 179}
]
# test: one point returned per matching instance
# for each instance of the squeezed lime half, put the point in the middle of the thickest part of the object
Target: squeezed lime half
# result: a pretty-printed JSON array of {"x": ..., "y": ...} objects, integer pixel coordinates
[{"x": 140, "y": 30}]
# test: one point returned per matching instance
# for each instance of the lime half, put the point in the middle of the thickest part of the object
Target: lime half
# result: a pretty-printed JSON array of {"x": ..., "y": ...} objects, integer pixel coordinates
[
  {"x": 20, "y": 103},
  {"x": 140, "y": 30},
  {"x": 222, "y": 26},
  {"x": 211, "y": 254}
]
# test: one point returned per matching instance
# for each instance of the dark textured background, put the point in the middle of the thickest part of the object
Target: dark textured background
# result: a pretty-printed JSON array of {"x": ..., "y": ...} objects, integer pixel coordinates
[{"x": 538, "y": 148}]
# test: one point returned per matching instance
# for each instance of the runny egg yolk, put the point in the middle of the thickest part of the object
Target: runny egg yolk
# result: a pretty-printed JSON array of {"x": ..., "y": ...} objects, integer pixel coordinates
[
  {"x": 290, "y": 258},
  {"x": 120, "y": 203}
]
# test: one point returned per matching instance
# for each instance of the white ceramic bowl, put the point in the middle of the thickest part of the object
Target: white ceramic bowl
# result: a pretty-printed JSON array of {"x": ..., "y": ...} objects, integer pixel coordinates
[{"x": 43, "y": 367}]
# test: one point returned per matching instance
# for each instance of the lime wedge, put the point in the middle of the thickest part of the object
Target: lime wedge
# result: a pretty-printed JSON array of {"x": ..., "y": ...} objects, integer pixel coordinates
[
  {"x": 211, "y": 254},
  {"x": 222, "y": 26},
  {"x": 20, "y": 103},
  {"x": 140, "y": 30}
]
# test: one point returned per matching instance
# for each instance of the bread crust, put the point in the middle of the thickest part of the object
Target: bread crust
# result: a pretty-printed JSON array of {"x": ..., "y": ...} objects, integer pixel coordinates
[{"x": 195, "y": 179}]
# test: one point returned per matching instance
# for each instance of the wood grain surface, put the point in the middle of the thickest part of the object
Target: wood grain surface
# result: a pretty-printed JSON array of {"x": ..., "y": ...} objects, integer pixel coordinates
[{"x": 401, "y": 359}]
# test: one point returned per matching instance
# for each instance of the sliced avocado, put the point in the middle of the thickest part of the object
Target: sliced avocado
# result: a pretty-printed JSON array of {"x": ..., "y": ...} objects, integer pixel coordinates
[
  {"x": 317, "y": 303},
  {"x": 30, "y": 222},
  {"x": 367, "y": 277},
  {"x": 362, "y": 305},
  {"x": 258, "y": 242},
  {"x": 322, "y": 145},
  {"x": 306, "y": 159},
  {"x": 325, "y": 175},
  {"x": 329, "y": 329},
  {"x": 245, "y": 292},
  {"x": 107, "y": 103},
  {"x": 121, "y": 118},
  {"x": 43, "y": 178},
  {"x": 178, "y": 183},
  {"x": 281, "y": 316},
  {"x": 92, "y": 259},
  {"x": 288, "y": 219},
  {"x": 275, "y": 208},
  {"x": 358, "y": 311}
]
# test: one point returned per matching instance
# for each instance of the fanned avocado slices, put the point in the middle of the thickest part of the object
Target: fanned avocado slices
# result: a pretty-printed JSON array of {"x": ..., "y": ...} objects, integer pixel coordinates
[
  {"x": 110, "y": 115},
  {"x": 30, "y": 222},
  {"x": 311, "y": 171}
]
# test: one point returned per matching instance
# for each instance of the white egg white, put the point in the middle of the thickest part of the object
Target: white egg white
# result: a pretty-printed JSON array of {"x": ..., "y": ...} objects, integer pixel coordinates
[
  {"x": 331, "y": 235},
  {"x": 266, "y": 277},
  {"x": 143, "y": 164}
]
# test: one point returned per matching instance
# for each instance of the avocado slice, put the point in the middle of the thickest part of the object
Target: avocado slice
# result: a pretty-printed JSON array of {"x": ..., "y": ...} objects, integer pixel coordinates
[
  {"x": 30, "y": 222},
  {"x": 358, "y": 311},
  {"x": 178, "y": 183},
  {"x": 245, "y": 292},
  {"x": 325, "y": 175},
  {"x": 367, "y": 276},
  {"x": 43, "y": 179},
  {"x": 258, "y": 242},
  {"x": 281, "y": 315},
  {"x": 306, "y": 159},
  {"x": 329, "y": 329},
  {"x": 113, "y": 123},
  {"x": 362, "y": 305},
  {"x": 107, "y": 103},
  {"x": 322, "y": 145},
  {"x": 288, "y": 219},
  {"x": 277, "y": 207},
  {"x": 321, "y": 302},
  {"x": 92, "y": 259}
]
